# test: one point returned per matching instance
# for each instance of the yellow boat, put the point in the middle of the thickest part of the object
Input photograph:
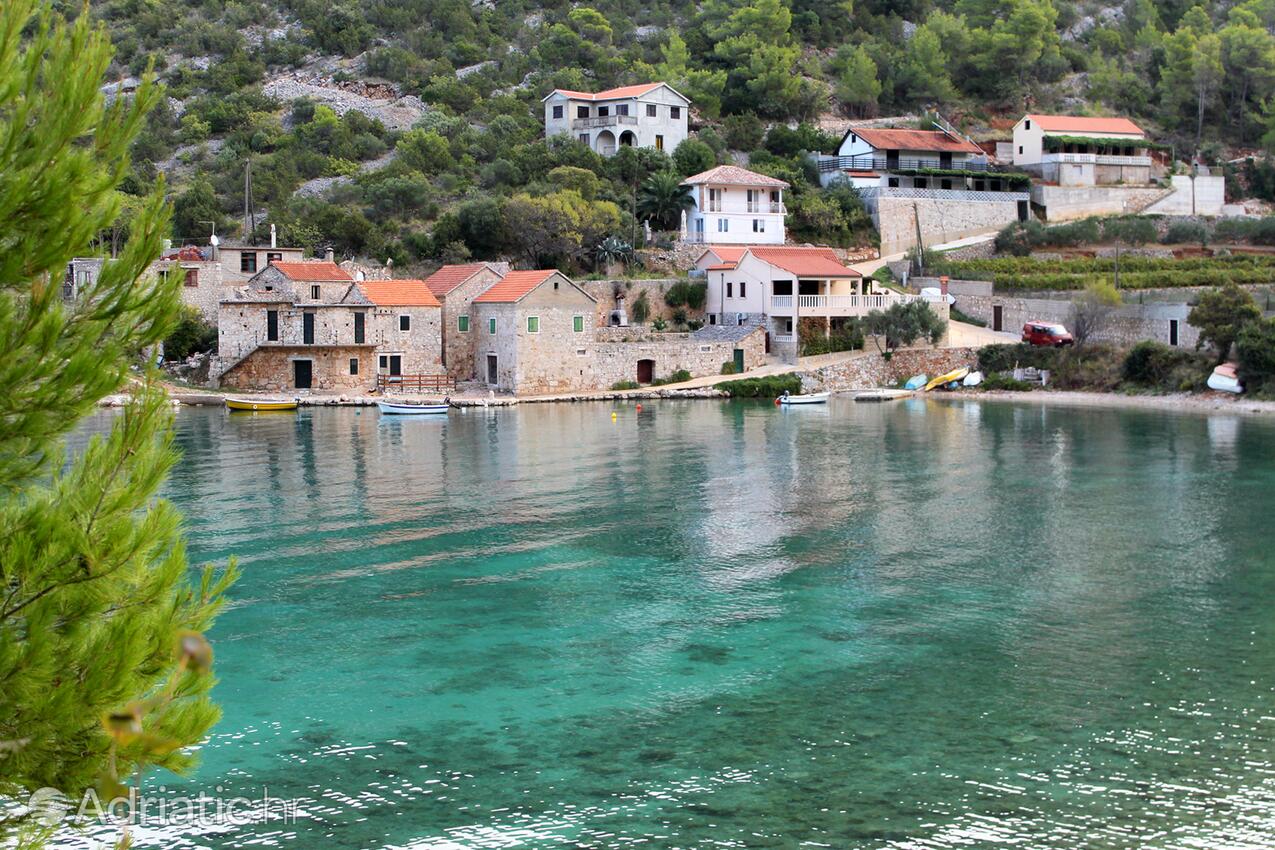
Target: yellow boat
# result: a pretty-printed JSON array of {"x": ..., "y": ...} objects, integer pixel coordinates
[
  {"x": 260, "y": 404},
  {"x": 954, "y": 375}
]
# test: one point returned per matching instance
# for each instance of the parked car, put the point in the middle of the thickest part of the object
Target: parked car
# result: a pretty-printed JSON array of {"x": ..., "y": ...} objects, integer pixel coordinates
[{"x": 1046, "y": 333}]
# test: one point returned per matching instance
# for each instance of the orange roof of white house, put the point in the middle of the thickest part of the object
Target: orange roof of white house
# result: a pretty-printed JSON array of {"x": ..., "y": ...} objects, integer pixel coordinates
[
  {"x": 448, "y": 278},
  {"x": 914, "y": 140},
  {"x": 804, "y": 261},
  {"x": 727, "y": 255},
  {"x": 616, "y": 94},
  {"x": 733, "y": 175},
  {"x": 1084, "y": 124},
  {"x": 398, "y": 293},
  {"x": 312, "y": 271},
  {"x": 513, "y": 286}
]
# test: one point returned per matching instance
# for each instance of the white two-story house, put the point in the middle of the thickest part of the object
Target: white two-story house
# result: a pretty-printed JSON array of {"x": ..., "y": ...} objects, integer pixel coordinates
[
  {"x": 651, "y": 115},
  {"x": 735, "y": 206},
  {"x": 1082, "y": 151}
]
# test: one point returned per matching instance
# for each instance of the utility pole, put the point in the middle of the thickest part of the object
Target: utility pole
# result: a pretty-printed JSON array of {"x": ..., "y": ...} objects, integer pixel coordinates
[{"x": 249, "y": 212}]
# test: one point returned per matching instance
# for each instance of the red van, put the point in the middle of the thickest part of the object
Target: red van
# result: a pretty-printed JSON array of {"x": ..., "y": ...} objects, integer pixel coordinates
[{"x": 1046, "y": 333}]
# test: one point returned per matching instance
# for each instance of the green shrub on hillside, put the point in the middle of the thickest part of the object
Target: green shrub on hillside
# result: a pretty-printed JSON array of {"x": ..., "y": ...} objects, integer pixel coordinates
[
  {"x": 1005, "y": 357},
  {"x": 1163, "y": 367},
  {"x": 1256, "y": 349}
]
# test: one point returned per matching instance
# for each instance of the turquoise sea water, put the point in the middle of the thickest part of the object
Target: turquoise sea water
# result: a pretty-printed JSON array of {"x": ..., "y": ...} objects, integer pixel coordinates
[{"x": 721, "y": 625}]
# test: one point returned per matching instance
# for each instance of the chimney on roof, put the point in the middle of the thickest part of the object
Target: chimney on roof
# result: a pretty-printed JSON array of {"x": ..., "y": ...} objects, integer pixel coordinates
[
  {"x": 273, "y": 237},
  {"x": 389, "y": 269},
  {"x": 501, "y": 269},
  {"x": 358, "y": 275},
  {"x": 329, "y": 255}
]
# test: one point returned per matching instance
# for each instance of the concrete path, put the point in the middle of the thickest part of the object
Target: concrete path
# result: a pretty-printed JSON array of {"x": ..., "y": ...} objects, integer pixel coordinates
[
  {"x": 962, "y": 335},
  {"x": 867, "y": 267}
]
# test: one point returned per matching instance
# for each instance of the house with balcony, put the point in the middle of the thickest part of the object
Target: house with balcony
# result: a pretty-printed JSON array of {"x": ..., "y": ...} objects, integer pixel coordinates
[
  {"x": 1068, "y": 150},
  {"x": 935, "y": 182},
  {"x": 312, "y": 326},
  {"x": 776, "y": 287},
  {"x": 735, "y": 206},
  {"x": 650, "y": 115}
]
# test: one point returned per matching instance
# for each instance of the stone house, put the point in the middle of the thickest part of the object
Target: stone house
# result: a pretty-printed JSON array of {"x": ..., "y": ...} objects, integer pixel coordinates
[
  {"x": 456, "y": 287},
  {"x": 536, "y": 334},
  {"x": 311, "y": 326},
  {"x": 651, "y": 115},
  {"x": 733, "y": 205},
  {"x": 209, "y": 273}
]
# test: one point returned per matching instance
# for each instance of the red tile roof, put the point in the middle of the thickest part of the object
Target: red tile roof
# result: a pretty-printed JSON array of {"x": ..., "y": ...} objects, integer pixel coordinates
[
  {"x": 728, "y": 254},
  {"x": 804, "y": 262},
  {"x": 398, "y": 293},
  {"x": 314, "y": 271},
  {"x": 513, "y": 286},
  {"x": 915, "y": 140},
  {"x": 610, "y": 94},
  {"x": 1081, "y": 125},
  {"x": 733, "y": 175},
  {"x": 448, "y": 278}
]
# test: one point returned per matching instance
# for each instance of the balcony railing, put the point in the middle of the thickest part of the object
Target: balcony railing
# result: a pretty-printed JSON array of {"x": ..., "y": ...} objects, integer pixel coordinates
[
  {"x": 836, "y": 305},
  {"x": 767, "y": 207},
  {"x": 890, "y": 163},
  {"x": 602, "y": 121},
  {"x": 1096, "y": 159}
]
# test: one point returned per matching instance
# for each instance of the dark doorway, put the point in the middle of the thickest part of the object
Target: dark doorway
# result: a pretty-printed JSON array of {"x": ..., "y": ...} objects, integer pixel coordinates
[
  {"x": 491, "y": 369},
  {"x": 272, "y": 326},
  {"x": 998, "y": 318},
  {"x": 1173, "y": 332},
  {"x": 945, "y": 159},
  {"x": 645, "y": 371},
  {"x": 307, "y": 328},
  {"x": 396, "y": 364},
  {"x": 892, "y": 160},
  {"x": 358, "y": 328},
  {"x": 1022, "y": 211},
  {"x": 301, "y": 374},
  {"x": 739, "y": 360},
  {"x": 767, "y": 342}
]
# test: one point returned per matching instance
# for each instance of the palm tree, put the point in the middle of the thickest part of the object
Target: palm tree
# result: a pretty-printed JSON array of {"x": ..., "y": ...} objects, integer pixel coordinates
[{"x": 663, "y": 198}]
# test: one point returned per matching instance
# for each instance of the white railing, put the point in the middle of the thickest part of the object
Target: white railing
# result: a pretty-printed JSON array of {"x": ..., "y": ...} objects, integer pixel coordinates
[
  {"x": 602, "y": 121},
  {"x": 783, "y": 337},
  {"x": 836, "y": 305},
  {"x": 1096, "y": 159},
  {"x": 767, "y": 207}
]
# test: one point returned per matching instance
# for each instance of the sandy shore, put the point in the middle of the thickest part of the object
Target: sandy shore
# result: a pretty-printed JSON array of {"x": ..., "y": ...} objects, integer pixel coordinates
[{"x": 1176, "y": 403}]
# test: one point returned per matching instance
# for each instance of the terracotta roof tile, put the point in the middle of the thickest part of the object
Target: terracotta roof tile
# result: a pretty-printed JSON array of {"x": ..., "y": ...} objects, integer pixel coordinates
[
  {"x": 915, "y": 140},
  {"x": 804, "y": 262},
  {"x": 448, "y": 278},
  {"x": 312, "y": 271},
  {"x": 610, "y": 94},
  {"x": 1084, "y": 124},
  {"x": 398, "y": 293},
  {"x": 733, "y": 175},
  {"x": 513, "y": 286}
]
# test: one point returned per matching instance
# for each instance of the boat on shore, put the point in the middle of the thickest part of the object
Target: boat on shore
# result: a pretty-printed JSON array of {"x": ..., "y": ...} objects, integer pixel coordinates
[
  {"x": 261, "y": 404},
  {"x": 916, "y": 382},
  {"x": 955, "y": 376},
  {"x": 973, "y": 379},
  {"x": 403, "y": 408},
  {"x": 882, "y": 394},
  {"x": 1226, "y": 379},
  {"x": 788, "y": 399}
]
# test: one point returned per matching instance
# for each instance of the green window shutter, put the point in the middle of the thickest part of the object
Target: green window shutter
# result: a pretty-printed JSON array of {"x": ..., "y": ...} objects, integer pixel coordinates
[
  {"x": 491, "y": 326},
  {"x": 577, "y": 324},
  {"x": 462, "y": 324},
  {"x": 533, "y": 324}
]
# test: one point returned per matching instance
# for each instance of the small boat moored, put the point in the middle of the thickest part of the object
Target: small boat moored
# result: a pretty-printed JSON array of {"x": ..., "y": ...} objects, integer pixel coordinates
[
  {"x": 881, "y": 394},
  {"x": 956, "y": 375},
  {"x": 1225, "y": 379},
  {"x": 811, "y": 398},
  {"x": 261, "y": 404},
  {"x": 916, "y": 382},
  {"x": 399, "y": 408}
]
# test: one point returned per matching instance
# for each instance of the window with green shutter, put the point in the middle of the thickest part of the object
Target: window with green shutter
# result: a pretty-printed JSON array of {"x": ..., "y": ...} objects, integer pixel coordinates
[
  {"x": 533, "y": 324},
  {"x": 577, "y": 324},
  {"x": 462, "y": 324},
  {"x": 491, "y": 326}
]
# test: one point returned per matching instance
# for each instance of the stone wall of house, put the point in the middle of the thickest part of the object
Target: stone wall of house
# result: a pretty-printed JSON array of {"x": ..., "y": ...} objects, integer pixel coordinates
[
  {"x": 873, "y": 370},
  {"x": 458, "y": 347},
  {"x": 1203, "y": 195},
  {"x": 269, "y": 369},
  {"x": 203, "y": 289},
  {"x": 941, "y": 220},
  {"x": 420, "y": 346},
  {"x": 604, "y": 291}
]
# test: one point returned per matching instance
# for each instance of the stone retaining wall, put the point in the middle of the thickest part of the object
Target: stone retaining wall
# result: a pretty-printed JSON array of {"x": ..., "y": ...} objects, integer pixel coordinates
[
  {"x": 1126, "y": 325},
  {"x": 941, "y": 220},
  {"x": 655, "y": 288},
  {"x": 873, "y": 370}
]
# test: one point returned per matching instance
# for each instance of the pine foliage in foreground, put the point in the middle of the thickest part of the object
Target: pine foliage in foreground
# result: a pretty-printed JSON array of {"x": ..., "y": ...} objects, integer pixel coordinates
[{"x": 103, "y": 668}]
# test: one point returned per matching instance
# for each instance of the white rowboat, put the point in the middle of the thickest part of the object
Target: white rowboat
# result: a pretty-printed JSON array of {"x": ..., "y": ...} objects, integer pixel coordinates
[
  {"x": 403, "y": 409},
  {"x": 811, "y": 398}
]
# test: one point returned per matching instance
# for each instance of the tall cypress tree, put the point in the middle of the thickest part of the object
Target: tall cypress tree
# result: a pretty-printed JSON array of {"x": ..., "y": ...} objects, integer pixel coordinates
[{"x": 103, "y": 667}]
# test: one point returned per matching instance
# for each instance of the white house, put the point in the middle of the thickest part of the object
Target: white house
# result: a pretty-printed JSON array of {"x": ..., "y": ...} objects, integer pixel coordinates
[
  {"x": 1081, "y": 151},
  {"x": 735, "y": 206},
  {"x": 896, "y": 158},
  {"x": 651, "y": 115},
  {"x": 778, "y": 286}
]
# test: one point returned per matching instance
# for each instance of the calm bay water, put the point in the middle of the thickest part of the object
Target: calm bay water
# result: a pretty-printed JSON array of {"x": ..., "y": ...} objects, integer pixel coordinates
[{"x": 719, "y": 625}]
